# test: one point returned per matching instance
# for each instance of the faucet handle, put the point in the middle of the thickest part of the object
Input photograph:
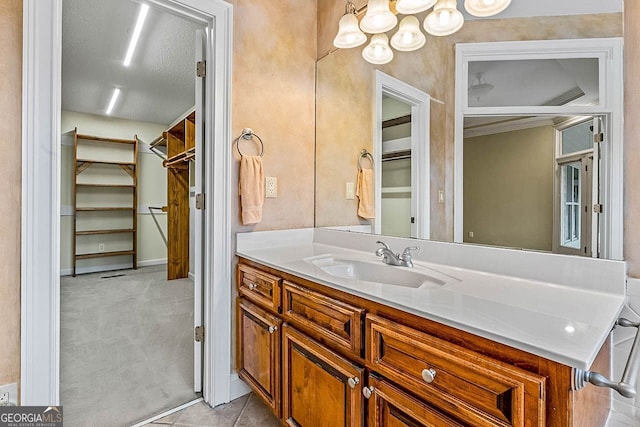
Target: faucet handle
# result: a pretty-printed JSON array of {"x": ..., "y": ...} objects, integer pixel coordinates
[
  {"x": 407, "y": 250},
  {"x": 384, "y": 244}
]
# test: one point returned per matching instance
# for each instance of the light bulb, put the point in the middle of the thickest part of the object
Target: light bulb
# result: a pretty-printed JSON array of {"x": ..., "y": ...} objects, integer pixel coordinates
[
  {"x": 408, "y": 7},
  {"x": 444, "y": 20},
  {"x": 484, "y": 8},
  {"x": 378, "y": 50},
  {"x": 409, "y": 37},
  {"x": 378, "y": 18}
]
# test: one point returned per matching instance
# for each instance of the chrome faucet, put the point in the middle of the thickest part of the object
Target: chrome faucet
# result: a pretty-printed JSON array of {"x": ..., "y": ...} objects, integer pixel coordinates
[{"x": 388, "y": 257}]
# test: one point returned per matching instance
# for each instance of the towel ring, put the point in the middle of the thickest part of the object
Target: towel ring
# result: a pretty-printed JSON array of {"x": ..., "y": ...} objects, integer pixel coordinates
[
  {"x": 364, "y": 154},
  {"x": 248, "y": 134}
]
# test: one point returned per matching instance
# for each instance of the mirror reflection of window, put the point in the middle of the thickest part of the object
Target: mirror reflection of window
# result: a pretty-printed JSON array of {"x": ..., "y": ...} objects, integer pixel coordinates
[{"x": 571, "y": 205}]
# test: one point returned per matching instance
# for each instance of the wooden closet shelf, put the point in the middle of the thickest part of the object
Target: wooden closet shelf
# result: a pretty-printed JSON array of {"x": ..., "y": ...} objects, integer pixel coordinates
[
  {"x": 106, "y": 162},
  {"x": 104, "y": 254},
  {"x": 94, "y": 232},
  {"x": 101, "y": 139},
  {"x": 107, "y": 185},
  {"x": 104, "y": 209},
  {"x": 185, "y": 156}
]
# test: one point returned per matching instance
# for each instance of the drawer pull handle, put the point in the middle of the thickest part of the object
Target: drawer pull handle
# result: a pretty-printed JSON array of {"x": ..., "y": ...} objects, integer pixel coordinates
[
  {"x": 367, "y": 392},
  {"x": 353, "y": 382},
  {"x": 428, "y": 375},
  {"x": 252, "y": 286},
  {"x": 272, "y": 329}
]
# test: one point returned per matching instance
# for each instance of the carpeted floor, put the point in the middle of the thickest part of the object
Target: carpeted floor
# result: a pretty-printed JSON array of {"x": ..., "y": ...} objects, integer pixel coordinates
[{"x": 126, "y": 346}]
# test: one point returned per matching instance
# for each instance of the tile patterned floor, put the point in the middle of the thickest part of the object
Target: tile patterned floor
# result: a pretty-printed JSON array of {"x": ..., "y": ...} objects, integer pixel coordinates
[{"x": 247, "y": 411}]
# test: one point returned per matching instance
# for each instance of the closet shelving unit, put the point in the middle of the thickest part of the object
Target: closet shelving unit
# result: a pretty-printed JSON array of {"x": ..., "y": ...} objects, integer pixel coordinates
[
  {"x": 105, "y": 169},
  {"x": 179, "y": 140}
]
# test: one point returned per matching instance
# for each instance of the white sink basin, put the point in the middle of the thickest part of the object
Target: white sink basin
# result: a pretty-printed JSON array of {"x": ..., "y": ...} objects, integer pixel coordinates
[{"x": 378, "y": 272}]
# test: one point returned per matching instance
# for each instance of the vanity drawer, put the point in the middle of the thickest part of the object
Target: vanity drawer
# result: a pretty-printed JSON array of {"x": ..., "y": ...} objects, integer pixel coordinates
[
  {"x": 259, "y": 287},
  {"x": 329, "y": 320},
  {"x": 474, "y": 388}
]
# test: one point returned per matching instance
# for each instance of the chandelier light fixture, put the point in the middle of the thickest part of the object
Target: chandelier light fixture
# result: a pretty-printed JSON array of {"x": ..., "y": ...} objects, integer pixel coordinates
[
  {"x": 479, "y": 87},
  {"x": 380, "y": 17}
]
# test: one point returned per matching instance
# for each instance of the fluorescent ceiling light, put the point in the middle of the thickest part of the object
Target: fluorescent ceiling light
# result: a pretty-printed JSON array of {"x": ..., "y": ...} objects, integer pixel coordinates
[
  {"x": 142, "y": 15},
  {"x": 114, "y": 98}
]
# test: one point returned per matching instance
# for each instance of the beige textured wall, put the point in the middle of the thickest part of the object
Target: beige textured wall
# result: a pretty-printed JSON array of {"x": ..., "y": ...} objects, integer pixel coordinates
[
  {"x": 344, "y": 101},
  {"x": 10, "y": 111},
  {"x": 631, "y": 136},
  {"x": 508, "y": 188},
  {"x": 274, "y": 55}
]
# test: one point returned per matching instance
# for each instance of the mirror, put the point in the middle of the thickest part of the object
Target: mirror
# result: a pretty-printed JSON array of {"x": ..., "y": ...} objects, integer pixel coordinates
[{"x": 345, "y": 123}]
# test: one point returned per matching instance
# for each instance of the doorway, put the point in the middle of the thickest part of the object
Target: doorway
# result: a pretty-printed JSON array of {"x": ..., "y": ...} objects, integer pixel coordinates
[
  {"x": 40, "y": 229},
  {"x": 130, "y": 304}
]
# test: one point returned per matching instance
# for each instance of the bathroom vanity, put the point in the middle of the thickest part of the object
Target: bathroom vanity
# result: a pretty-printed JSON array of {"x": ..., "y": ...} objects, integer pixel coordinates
[{"x": 328, "y": 335}]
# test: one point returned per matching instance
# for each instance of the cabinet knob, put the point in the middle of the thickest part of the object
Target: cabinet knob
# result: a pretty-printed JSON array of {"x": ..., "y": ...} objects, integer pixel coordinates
[
  {"x": 252, "y": 286},
  {"x": 428, "y": 375},
  {"x": 353, "y": 382},
  {"x": 272, "y": 329},
  {"x": 367, "y": 391}
]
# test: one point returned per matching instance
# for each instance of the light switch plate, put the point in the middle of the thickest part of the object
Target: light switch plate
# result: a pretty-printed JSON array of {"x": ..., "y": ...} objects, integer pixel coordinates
[
  {"x": 350, "y": 192},
  {"x": 271, "y": 187}
]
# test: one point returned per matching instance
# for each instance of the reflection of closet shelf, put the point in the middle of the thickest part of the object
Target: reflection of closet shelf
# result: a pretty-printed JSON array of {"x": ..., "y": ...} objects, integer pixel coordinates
[
  {"x": 106, "y": 162},
  {"x": 106, "y": 185},
  {"x": 94, "y": 232},
  {"x": 103, "y": 254},
  {"x": 103, "y": 139},
  {"x": 101, "y": 208},
  {"x": 395, "y": 190}
]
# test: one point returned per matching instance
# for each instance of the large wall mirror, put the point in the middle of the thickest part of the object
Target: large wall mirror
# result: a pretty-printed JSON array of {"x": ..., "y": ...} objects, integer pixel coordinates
[{"x": 512, "y": 157}]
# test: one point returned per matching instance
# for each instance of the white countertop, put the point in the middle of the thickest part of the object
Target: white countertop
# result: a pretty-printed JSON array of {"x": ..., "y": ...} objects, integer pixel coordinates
[{"x": 566, "y": 324}]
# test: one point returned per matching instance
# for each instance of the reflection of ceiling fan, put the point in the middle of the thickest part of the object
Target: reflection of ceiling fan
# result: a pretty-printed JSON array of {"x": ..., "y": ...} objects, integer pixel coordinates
[{"x": 479, "y": 87}]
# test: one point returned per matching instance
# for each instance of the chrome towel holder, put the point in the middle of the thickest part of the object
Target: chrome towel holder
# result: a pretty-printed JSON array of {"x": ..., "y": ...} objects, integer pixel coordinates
[
  {"x": 364, "y": 154},
  {"x": 248, "y": 134},
  {"x": 627, "y": 385}
]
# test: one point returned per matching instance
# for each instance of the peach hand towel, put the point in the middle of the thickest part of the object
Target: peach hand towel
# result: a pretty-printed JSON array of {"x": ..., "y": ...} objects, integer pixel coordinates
[
  {"x": 251, "y": 189},
  {"x": 365, "y": 193}
]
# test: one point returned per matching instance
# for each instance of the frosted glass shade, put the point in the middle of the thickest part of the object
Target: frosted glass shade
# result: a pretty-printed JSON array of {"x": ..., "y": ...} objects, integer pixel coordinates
[
  {"x": 444, "y": 20},
  {"x": 407, "y": 7},
  {"x": 378, "y": 18},
  {"x": 349, "y": 34},
  {"x": 378, "y": 50},
  {"x": 484, "y": 8},
  {"x": 408, "y": 37}
]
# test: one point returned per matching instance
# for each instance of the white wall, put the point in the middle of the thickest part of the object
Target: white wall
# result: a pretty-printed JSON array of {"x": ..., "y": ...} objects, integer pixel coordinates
[{"x": 152, "y": 191}]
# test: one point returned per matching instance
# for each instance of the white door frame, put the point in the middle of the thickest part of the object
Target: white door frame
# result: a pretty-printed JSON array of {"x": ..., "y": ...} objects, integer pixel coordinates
[
  {"x": 40, "y": 240},
  {"x": 420, "y": 147},
  {"x": 609, "y": 53}
]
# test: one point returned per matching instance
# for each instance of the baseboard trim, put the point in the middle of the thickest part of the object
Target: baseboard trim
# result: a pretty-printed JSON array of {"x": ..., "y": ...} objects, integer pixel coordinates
[
  {"x": 169, "y": 412},
  {"x": 99, "y": 268},
  {"x": 237, "y": 387}
]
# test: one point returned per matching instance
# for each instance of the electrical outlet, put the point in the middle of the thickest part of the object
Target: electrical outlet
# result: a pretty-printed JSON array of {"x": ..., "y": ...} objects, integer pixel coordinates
[
  {"x": 4, "y": 399},
  {"x": 271, "y": 184},
  {"x": 471, "y": 234},
  {"x": 350, "y": 192},
  {"x": 100, "y": 247},
  {"x": 440, "y": 196}
]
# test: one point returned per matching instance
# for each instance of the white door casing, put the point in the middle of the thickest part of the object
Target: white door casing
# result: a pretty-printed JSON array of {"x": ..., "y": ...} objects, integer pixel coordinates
[
  {"x": 40, "y": 257},
  {"x": 420, "y": 169}
]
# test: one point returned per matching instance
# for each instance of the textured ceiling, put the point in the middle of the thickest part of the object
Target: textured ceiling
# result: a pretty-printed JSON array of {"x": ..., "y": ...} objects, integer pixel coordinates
[{"x": 159, "y": 84}]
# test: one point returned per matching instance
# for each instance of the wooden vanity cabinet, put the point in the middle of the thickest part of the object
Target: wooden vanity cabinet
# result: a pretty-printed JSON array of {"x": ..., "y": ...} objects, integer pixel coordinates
[
  {"x": 320, "y": 387},
  {"x": 259, "y": 355},
  {"x": 309, "y": 351}
]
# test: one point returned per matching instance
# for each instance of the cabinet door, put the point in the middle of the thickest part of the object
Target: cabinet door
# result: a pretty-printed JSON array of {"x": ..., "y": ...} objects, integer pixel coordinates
[
  {"x": 259, "y": 352},
  {"x": 320, "y": 388},
  {"x": 389, "y": 406}
]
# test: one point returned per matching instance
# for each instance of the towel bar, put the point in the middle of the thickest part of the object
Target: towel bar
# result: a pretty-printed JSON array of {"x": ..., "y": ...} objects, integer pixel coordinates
[
  {"x": 248, "y": 134},
  {"x": 627, "y": 385},
  {"x": 364, "y": 154}
]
